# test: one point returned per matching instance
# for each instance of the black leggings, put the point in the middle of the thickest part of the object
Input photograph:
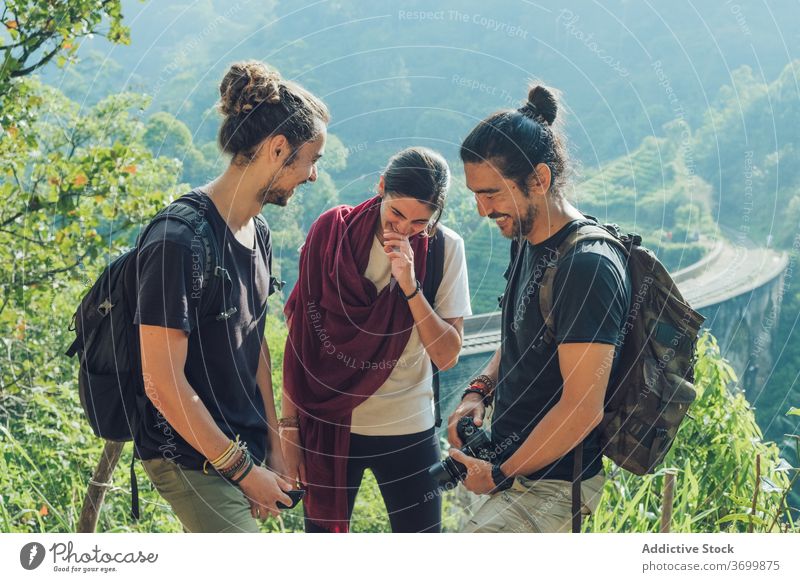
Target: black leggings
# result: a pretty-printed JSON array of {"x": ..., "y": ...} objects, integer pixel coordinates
[{"x": 400, "y": 465}]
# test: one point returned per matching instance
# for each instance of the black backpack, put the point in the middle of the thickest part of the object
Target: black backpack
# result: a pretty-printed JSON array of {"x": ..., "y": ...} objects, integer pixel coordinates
[{"x": 107, "y": 341}]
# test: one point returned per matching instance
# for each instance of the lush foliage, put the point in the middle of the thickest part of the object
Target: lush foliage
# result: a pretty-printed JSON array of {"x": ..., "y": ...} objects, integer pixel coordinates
[
  {"x": 73, "y": 184},
  {"x": 48, "y": 454},
  {"x": 714, "y": 459},
  {"x": 76, "y": 180},
  {"x": 39, "y": 31}
]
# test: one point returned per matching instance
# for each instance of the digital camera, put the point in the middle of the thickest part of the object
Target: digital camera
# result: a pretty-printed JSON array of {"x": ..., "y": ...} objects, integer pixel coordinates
[{"x": 477, "y": 443}]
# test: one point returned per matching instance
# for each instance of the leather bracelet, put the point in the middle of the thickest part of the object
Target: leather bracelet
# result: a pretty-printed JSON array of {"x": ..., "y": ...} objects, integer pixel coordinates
[
  {"x": 487, "y": 398},
  {"x": 289, "y": 421},
  {"x": 486, "y": 381},
  {"x": 240, "y": 478},
  {"x": 489, "y": 386},
  {"x": 230, "y": 472},
  {"x": 472, "y": 390},
  {"x": 414, "y": 294}
]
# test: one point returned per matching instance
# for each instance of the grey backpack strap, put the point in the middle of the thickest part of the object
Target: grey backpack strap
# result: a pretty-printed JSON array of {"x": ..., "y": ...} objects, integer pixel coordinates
[
  {"x": 263, "y": 232},
  {"x": 577, "y": 471},
  {"x": 214, "y": 276},
  {"x": 434, "y": 273},
  {"x": 577, "y": 236}
]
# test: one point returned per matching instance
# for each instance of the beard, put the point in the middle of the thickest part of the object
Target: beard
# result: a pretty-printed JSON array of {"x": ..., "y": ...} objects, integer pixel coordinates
[
  {"x": 274, "y": 195},
  {"x": 521, "y": 227}
]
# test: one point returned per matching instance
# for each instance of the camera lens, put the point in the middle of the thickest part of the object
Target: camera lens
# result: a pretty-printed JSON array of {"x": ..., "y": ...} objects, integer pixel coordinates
[{"x": 448, "y": 473}]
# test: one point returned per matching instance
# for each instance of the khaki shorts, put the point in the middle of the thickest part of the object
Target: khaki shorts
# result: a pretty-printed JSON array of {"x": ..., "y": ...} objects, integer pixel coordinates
[
  {"x": 203, "y": 503},
  {"x": 543, "y": 506}
]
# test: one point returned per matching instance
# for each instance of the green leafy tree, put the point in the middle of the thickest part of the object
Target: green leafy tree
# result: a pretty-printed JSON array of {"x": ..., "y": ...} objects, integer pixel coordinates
[
  {"x": 39, "y": 31},
  {"x": 167, "y": 136},
  {"x": 74, "y": 184},
  {"x": 74, "y": 187}
]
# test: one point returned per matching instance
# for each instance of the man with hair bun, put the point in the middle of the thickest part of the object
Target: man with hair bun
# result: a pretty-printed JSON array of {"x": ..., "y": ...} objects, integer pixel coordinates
[
  {"x": 207, "y": 430},
  {"x": 548, "y": 392}
]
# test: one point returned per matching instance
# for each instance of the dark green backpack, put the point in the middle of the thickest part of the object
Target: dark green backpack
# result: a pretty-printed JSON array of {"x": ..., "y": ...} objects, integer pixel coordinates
[{"x": 647, "y": 401}]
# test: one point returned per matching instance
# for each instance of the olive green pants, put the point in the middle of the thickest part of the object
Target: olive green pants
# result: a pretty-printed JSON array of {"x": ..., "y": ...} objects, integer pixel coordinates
[
  {"x": 543, "y": 506},
  {"x": 203, "y": 503}
]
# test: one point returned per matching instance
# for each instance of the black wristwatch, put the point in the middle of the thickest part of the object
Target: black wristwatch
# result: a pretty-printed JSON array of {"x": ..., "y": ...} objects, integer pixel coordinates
[{"x": 501, "y": 482}]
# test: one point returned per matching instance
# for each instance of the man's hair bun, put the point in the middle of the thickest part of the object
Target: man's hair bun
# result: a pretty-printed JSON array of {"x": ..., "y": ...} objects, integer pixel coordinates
[
  {"x": 541, "y": 105},
  {"x": 247, "y": 85}
]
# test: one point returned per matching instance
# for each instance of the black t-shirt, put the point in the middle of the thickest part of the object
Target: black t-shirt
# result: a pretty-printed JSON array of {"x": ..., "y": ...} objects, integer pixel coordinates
[
  {"x": 591, "y": 299},
  {"x": 222, "y": 357}
]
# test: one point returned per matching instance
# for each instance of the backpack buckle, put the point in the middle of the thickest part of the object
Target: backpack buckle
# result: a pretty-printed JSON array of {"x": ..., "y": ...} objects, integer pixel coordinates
[
  {"x": 227, "y": 314},
  {"x": 277, "y": 284},
  {"x": 220, "y": 272},
  {"x": 105, "y": 307}
]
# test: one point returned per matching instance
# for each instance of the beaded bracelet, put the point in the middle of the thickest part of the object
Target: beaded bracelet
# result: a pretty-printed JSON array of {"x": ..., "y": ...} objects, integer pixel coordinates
[
  {"x": 231, "y": 471},
  {"x": 235, "y": 465},
  {"x": 489, "y": 385},
  {"x": 487, "y": 381},
  {"x": 414, "y": 294}
]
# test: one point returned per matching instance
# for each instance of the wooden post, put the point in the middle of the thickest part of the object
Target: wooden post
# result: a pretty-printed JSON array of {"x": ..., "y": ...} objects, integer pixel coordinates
[
  {"x": 666, "y": 505},
  {"x": 96, "y": 492},
  {"x": 755, "y": 493}
]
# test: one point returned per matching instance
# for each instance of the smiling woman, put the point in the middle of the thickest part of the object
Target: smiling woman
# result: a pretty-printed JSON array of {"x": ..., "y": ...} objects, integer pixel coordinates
[
  {"x": 359, "y": 396},
  {"x": 417, "y": 174}
]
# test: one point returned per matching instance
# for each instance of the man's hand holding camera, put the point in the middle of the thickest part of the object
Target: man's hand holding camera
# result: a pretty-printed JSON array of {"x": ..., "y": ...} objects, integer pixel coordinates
[
  {"x": 472, "y": 454},
  {"x": 471, "y": 406},
  {"x": 479, "y": 473}
]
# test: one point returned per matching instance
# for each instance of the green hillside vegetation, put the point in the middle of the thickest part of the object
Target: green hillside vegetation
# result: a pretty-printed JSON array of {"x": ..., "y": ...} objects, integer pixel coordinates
[
  {"x": 747, "y": 149},
  {"x": 654, "y": 192}
]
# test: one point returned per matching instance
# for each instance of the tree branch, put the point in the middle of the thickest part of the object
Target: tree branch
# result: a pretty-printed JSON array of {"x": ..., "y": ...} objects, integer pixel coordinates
[
  {"x": 47, "y": 274},
  {"x": 13, "y": 218},
  {"x": 40, "y": 242},
  {"x": 43, "y": 61}
]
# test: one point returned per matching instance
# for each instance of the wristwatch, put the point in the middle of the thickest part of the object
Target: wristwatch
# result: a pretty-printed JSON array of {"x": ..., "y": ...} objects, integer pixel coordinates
[{"x": 501, "y": 482}]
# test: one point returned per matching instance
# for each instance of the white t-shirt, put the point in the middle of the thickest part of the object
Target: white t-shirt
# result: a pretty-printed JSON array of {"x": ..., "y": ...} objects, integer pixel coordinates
[{"x": 404, "y": 403}]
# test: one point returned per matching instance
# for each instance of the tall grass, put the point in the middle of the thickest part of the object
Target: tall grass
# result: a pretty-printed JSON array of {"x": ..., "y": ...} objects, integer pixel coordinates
[{"x": 48, "y": 454}]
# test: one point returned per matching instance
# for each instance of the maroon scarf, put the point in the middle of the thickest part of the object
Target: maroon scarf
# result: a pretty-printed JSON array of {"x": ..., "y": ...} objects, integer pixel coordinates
[{"x": 341, "y": 329}]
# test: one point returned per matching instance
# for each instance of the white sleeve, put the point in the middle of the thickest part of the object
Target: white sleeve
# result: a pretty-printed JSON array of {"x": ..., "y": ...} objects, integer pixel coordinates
[{"x": 452, "y": 298}]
